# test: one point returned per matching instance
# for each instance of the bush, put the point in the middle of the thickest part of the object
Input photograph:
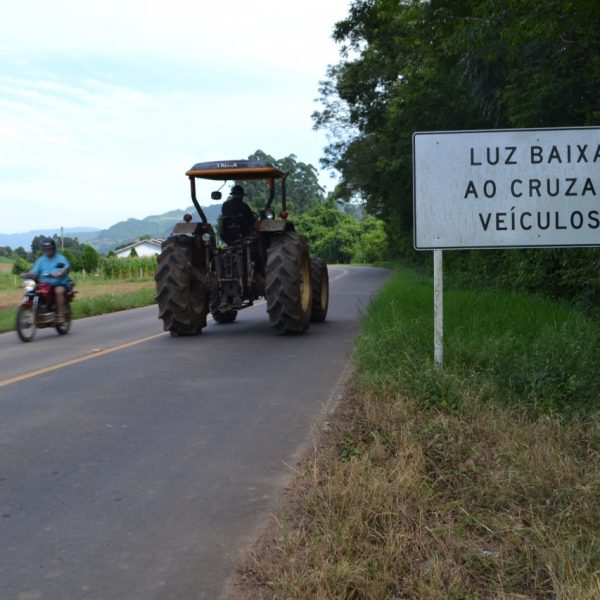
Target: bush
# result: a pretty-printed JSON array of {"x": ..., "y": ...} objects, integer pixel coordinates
[
  {"x": 20, "y": 266},
  {"x": 89, "y": 259},
  {"x": 341, "y": 238}
]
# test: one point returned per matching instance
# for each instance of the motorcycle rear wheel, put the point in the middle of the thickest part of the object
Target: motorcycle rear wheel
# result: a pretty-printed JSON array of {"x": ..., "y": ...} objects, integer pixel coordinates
[{"x": 25, "y": 324}]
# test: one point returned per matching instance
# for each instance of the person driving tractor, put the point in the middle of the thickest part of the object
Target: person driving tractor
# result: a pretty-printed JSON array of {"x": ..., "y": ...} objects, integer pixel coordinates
[
  {"x": 235, "y": 206},
  {"x": 53, "y": 268}
]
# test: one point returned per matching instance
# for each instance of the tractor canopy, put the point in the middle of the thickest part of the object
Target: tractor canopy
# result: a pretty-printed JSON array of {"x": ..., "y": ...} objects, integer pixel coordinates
[
  {"x": 237, "y": 170},
  {"x": 241, "y": 170}
]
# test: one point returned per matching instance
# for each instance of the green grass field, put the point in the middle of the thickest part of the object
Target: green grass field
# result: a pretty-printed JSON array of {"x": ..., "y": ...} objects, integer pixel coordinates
[
  {"x": 533, "y": 353},
  {"x": 478, "y": 481}
]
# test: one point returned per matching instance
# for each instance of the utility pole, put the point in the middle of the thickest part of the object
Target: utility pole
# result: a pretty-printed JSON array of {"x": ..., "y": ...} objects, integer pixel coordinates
[{"x": 62, "y": 240}]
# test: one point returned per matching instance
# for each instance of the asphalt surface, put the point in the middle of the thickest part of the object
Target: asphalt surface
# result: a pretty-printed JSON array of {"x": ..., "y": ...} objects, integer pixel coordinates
[{"x": 134, "y": 465}]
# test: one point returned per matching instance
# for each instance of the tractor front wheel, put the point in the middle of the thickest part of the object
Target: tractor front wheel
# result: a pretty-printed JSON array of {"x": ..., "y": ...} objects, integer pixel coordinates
[{"x": 223, "y": 316}]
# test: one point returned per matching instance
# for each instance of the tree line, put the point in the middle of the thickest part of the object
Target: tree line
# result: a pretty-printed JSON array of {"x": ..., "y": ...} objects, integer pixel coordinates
[
  {"x": 412, "y": 65},
  {"x": 81, "y": 256},
  {"x": 337, "y": 231}
]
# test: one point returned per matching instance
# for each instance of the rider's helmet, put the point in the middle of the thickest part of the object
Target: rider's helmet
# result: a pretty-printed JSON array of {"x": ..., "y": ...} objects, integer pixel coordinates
[
  {"x": 48, "y": 244},
  {"x": 237, "y": 191}
]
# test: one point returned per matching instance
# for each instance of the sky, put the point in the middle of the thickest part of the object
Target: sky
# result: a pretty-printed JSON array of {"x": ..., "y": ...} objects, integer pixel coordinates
[{"x": 104, "y": 104}]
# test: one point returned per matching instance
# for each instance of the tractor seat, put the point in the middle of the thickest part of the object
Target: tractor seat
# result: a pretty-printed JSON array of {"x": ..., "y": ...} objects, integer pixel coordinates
[{"x": 233, "y": 228}]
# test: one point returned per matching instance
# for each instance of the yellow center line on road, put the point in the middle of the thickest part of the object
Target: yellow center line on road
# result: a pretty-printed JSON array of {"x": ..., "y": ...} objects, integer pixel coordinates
[
  {"x": 93, "y": 354},
  {"x": 96, "y": 352}
]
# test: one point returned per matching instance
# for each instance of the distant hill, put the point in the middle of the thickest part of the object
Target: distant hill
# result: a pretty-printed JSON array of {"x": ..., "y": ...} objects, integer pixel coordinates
[
  {"x": 120, "y": 233},
  {"x": 23, "y": 240},
  {"x": 155, "y": 226}
]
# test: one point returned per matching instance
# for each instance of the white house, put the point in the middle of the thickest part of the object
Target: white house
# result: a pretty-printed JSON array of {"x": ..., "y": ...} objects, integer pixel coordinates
[{"x": 142, "y": 248}]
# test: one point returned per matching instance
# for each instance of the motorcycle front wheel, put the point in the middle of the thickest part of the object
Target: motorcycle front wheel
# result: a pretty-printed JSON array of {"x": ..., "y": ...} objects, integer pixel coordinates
[{"x": 26, "y": 323}]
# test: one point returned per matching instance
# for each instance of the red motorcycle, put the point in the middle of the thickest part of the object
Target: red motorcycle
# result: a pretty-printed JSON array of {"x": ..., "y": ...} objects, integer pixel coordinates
[{"x": 38, "y": 309}]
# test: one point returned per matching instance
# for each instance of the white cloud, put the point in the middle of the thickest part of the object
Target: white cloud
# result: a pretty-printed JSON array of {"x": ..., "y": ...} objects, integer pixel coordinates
[
  {"x": 105, "y": 105},
  {"x": 291, "y": 34}
]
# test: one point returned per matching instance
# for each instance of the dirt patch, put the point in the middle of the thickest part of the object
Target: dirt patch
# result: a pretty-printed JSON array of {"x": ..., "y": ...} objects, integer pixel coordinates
[
  {"x": 10, "y": 298},
  {"x": 5, "y": 267}
]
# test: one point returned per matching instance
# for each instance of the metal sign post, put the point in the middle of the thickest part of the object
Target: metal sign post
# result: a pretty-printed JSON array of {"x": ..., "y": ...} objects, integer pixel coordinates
[{"x": 438, "y": 309}]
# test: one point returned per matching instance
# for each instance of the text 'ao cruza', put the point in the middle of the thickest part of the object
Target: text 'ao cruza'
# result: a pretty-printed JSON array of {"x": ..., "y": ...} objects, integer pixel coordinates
[{"x": 533, "y": 216}]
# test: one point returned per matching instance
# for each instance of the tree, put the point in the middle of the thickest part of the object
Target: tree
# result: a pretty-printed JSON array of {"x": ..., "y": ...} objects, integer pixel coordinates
[
  {"x": 373, "y": 245},
  {"x": 303, "y": 191},
  {"x": 415, "y": 65},
  {"x": 69, "y": 243},
  {"x": 20, "y": 266},
  {"x": 36, "y": 245},
  {"x": 20, "y": 252},
  {"x": 341, "y": 238},
  {"x": 89, "y": 258},
  {"x": 412, "y": 65},
  {"x": 73, "y": 260}
]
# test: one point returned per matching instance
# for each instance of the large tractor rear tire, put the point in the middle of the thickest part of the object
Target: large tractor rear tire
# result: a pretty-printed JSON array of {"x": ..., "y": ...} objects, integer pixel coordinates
[
  {"x": 319, "y": 276},
  {"x": 288, "y": 288},
  {"x": 181, "y": 295}
]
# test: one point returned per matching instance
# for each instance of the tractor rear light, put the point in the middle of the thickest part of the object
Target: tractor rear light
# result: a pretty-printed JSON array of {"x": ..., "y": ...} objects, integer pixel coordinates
[
  {"x": 283, "y": 214},
  {"x": 187, "y": 217}
]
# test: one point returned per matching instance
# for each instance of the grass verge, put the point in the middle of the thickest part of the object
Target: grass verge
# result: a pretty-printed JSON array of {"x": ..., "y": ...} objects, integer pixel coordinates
[{"x": 480, "y": 481}]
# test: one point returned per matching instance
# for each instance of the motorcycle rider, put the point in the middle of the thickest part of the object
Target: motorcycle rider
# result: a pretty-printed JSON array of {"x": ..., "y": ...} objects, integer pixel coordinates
[{"x": 53, "y": 268}]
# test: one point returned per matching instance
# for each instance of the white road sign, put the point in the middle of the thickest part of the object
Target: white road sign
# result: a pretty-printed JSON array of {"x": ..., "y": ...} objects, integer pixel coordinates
[{"x": 513, "y": 188}]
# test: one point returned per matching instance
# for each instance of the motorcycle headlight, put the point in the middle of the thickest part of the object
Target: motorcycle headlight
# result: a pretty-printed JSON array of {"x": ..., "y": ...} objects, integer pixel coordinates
[{"x": 29, "y": 285}]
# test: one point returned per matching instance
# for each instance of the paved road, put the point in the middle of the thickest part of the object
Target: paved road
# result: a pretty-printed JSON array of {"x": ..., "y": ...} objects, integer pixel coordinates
[{"x": 134, "y": 465}]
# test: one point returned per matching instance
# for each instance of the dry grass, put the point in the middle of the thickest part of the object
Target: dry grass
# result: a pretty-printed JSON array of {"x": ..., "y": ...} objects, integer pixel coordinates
[
  {"x": 403, "y": 501},
  {"x": 478, "y": 481}
]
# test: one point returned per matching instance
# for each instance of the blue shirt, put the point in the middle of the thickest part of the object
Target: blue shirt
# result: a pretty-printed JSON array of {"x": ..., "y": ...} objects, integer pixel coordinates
[{"x": 45, "y": 265}]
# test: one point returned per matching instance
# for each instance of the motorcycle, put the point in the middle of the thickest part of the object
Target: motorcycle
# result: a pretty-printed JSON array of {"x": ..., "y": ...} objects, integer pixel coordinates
[{"x": 38, "y": 309}]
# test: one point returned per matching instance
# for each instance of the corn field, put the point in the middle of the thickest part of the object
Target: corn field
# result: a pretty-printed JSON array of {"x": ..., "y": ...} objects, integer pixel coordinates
[{"x": 127, "y": 268}]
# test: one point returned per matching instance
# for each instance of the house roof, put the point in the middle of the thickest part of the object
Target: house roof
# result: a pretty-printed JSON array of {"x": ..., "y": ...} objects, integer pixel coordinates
[{"x": 154, "y": 242}]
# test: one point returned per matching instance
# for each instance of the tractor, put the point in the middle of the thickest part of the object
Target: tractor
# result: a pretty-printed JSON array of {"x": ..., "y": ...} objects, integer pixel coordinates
[{"x": 198, "y": 273}]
